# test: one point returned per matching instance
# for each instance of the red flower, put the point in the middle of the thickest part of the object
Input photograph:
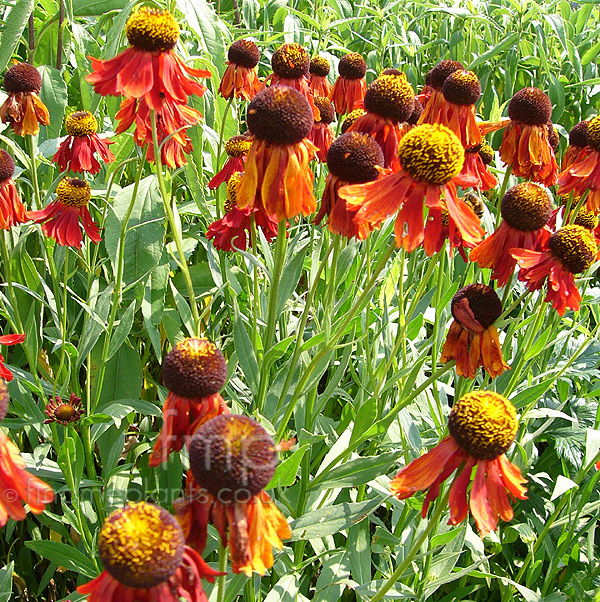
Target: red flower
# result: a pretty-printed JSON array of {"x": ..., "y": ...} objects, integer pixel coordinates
[
  {"x": 350, "y": 87},
  {"x": 12, "y": 211},
  {"x": 473, "y": 339},
  {"x": 352, "y": 158},
  {"x": 23, "y": 108},
  {"x": 149, "y": 68},
  {"x": 194, "y": 371},
  {"x": 440, "y": 227},
  {"x": 291, "y": 64},
  {"x": 60, "y": 219},
  {"x": 432, "y": 94},
  {"x": 430, "y": 156},
  {"x": 526, "y": 210},
  {"x": 237, "y": 149},
  {"x": 240, "y": 77},
  {"x": 146, "y": 560},
  {"x": 482, "y": 427},
  {"x": 9, "y": 339},
  {"x": 64, "y": 413},
  {"x": 584, "y": 172},
  {"x": 233, "y": 228},
  {"x": 232, "y": 459},
  {"x": 389, "y": 100},
  {"x": 81, "y": 144},
  {"x": 318, "y": 71},
  {"x": 320, "y": 134},
  {"x": 475, "y": 172},
  {"x": 570, "y": 250}
]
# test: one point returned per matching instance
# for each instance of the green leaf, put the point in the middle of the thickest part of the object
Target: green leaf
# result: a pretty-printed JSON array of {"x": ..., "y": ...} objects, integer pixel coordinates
[
  {"x": 333, "y": 519},
  {"x": 13, "y": 28},
  {"x": 122, "y": 330},
  {"x": 6, "y": 573},
  {"x": 357, "y": 472},
  {"x": 289, "y": 278},
  {"x": 54, "y": 96},
  {"x": 286, "y": 471},
  {"x": 507, "y": 42},
  {"x": 83, "y": 8},
  {"x": 123, "y": 376},
  {"x": 71, "y": 458},
  {"x": 144, "y": 239},
  {"x": 64, "y": 555}
]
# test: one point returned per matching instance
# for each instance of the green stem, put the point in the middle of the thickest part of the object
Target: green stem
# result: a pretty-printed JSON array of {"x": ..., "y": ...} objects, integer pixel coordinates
[
  {"x": 37, "y": 200},
  {"x": 63, "y": 324},
  {"x": 166, "y": 197},
  {"x": 222, "y": 569},
  {"x": 116, "y": 301},
  {"x": 272, "y": 313},
  {"x": 503, "y": 188},
  {"x": 433, "y": 523},
  {"x": 329, "y": 305},
  {"x": 334, "y": 338}
]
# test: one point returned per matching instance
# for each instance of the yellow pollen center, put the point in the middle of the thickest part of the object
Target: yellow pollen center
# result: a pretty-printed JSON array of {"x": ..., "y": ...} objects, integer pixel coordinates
[
  {"x": 141, "y": 545},
  {"x": 232, "y": 189},
  {"x": 65, "y": 412},
  {"x": 483, "y": 423},
  {"x": 152, "y": 29},
  {"x": 81, "y": 123},
  {"x": 575, "y": 247},
  {"x": 196, "y": 349},
  {"x": 238, "y": 146},
  {"x": 594, "y": 132},
  {"x": 431, "y": 153},
  {"x": 73, "y": 192}
]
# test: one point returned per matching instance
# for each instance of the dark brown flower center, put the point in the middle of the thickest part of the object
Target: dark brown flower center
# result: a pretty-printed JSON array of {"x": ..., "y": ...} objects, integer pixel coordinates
[
  {"x": 476, "y": 301},
  {"x": 290, "y": 61},
  {"x": 353, "y": 158},
  {"x": 326, "y": 109},
  {"x": 232, "y": 457},
  {"x": 578, "y": 136},
  {"x": 526, "y": 207},
  {"x": 530, "y": 106},
  {"x": 319, "y": 65},
  {"x": 390, "y": 96},
  {"x": 7, "y": 166},
  {"x": 462, "y": 88},
  {"x": 194, "y": 368},
  {"x": 437, "y": 76},
  {"x": 352, "y": 66},
  {"x": 244, "y": 53},
  {"x": 280, "y": 115},
  {"x": 22, "y": 77}
]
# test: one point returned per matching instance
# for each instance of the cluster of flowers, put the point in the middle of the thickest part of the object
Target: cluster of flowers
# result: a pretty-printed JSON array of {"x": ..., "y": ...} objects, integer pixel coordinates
[{"x": 398, "y": 153}]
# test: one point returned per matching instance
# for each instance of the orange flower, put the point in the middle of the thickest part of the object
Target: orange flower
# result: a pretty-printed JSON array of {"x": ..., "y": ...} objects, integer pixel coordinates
[
  {"x": 578, "y": 141},
  {"x": 525, "y": 143},
  {"x": 241, "y": 78},
  {"x": 193, "y": 371},
  {"x": 584, "y": 172},
  {"x": 433, "y": 92},
  {"x": 389, "y": 100},
  {"x": 146, "y": 560},
  {"x": 17, "y": 486},
  {"x": 353, "y": 158},
  {"x": 320, "y": 134},
  {"x": 318, "y": 72},
  {"x": 60, "y": 219},
  {"x": 277, "y": 177},
  {"x": 232, "y": 459},
  {"x": 473, "y": 339},
  {"x": 12, "y": 211},
  {"x": 291, "y": 64},
  {"x": 81, "y": 144},
  {"x": 525, "y": 210},
  {"x": 461, "y": 90},
  {"x": 571, "y": 250},
  {"x": 482, "y": 427},
  {"x": 350, "y": 87},
  {"x": 237, "y": 150},
  {"x": 23, "y": 108},
  {"x": 440, "y": 227},
  {"x": 430, "y": 157}
]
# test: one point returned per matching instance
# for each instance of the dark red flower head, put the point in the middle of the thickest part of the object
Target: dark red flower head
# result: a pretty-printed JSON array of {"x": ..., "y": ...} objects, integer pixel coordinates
[
  {"x": 437, "y": 76},
  {"x": 530, "y": 106},
  {"x": 7, "y": 166},
  {"x": 22, "y": 77},
  {"x": 244, "y": 53},
  {"x": 352, "y": 66}
]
